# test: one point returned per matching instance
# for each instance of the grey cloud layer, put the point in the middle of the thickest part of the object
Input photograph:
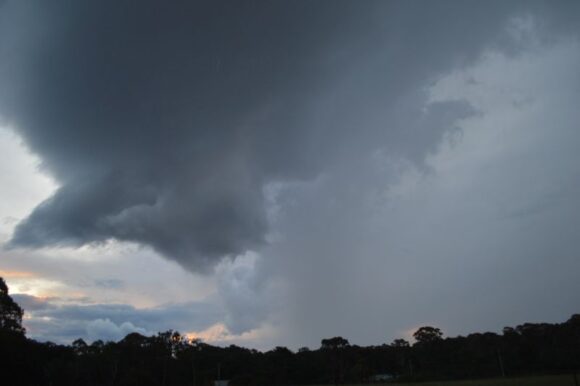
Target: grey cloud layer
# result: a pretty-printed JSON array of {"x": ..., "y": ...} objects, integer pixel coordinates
[
  {"x": 484, "y": 239},
  {"x": 164, "y": 123},
  {"x": 49, "y": 320}
]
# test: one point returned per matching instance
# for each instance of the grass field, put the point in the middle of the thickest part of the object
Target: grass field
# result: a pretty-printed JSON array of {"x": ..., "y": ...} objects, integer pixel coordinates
[{"x": 553, "y": 380}]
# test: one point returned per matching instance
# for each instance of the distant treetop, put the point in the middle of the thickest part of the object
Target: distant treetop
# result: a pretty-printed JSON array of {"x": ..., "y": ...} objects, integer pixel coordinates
[{"x": 428, "y": 334}]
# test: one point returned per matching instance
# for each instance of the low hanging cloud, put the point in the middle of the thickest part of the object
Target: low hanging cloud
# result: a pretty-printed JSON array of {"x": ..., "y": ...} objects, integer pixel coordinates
[
  {"x": 106, "y": 330},
  {"x": 62, "y": 322},
  {"x": 164, "y": 124}
]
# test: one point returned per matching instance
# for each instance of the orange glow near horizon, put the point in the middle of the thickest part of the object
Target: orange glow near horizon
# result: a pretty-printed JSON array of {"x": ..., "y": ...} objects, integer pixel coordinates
[
  {"x": 219, "y": 333},
  {"x": 214, "y": 333},
  {"x": 16, "y": 274}
]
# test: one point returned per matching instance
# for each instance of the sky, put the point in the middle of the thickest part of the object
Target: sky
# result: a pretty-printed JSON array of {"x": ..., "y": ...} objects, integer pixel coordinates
[{"x": 272, "y": 173}]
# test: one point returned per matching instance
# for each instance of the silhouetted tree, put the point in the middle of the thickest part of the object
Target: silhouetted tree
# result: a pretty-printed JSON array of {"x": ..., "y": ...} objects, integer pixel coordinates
[
  {"x": 10, "y": 311},
  {"x": 171, "y": 360},
  {"x": 335, "y": 346},
  {"x": 335, "y": 343},
  {"x": 400, "y": 343},
  {"x": 80, "y": 347},
  {"x": 427, "y": 334}
]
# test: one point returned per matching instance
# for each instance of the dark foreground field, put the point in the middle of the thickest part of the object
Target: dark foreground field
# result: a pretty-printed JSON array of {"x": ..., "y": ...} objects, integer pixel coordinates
[{"x": 552, "y": 380}]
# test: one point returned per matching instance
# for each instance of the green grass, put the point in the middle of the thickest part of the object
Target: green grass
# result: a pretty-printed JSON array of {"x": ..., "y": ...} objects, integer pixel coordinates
[{"x": 549, "y": 380}]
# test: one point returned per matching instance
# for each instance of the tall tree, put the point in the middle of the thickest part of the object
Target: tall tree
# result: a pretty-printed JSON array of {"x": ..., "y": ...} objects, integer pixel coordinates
[
  {"x": 10, "y": 311},
  {"x": 335, "y": 343}
]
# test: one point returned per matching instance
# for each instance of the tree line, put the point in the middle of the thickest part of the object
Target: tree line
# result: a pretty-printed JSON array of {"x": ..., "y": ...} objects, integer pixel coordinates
[{"x": 169, "y": 359}]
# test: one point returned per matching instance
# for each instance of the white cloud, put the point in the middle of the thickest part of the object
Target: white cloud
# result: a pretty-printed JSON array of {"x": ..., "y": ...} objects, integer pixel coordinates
[
  {"x": 23, "y": 185},
  {"x": 106, "y": 330}
]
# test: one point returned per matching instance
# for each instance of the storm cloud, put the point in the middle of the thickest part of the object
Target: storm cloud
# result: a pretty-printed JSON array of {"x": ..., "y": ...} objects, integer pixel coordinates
[
  {"x": 319, "y": 168},
  {"x": 164, "y": 124}
]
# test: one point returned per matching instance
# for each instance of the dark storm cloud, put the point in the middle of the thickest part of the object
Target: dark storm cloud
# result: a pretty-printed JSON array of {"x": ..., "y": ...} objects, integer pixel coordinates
[{"x": 164, "y": 123}]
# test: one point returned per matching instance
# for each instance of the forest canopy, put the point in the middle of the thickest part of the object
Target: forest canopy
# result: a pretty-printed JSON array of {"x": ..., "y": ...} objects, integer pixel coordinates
[{"x": 169, "y": 358}]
